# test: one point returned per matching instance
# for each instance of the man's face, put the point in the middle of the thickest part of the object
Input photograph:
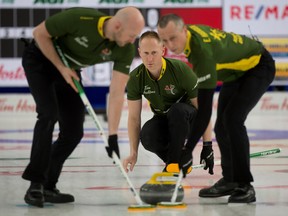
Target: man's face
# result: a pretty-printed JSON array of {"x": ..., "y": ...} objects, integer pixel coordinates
[
  {"x": 151, "y": 52},
  {"x": 126, "y": 33},
  {"x": 174, "y": 37},
  {"x": 123, "y": 37}
]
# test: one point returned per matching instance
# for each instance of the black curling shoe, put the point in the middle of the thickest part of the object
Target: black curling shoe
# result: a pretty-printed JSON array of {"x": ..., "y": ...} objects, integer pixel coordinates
[
  {"x": 244, "y": 193},
  {"x": 34, "y": 195},
  {"x": 220, "y": 188},
  {"x": 55, "y": 196}
]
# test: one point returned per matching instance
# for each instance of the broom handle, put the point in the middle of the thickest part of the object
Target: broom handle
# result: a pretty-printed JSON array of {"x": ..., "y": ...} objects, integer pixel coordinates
[
  {"x": 256, "y": 154},
  {"x": 265, "y": 153},
  {"x": 178, "y": 183},
  {"x": 99, "y": 127}
]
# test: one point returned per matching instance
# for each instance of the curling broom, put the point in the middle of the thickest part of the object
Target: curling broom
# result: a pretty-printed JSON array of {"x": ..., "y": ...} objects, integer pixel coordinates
[
  {"x": 141, "y": 206},
  {"x": 181, "y": 205},
  {"x": 174, "y": 166},
  {"x": 173, "y": 203}
]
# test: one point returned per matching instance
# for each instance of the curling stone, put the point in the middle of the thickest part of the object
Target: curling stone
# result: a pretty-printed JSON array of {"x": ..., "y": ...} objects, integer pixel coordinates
[{"x": 158, "y": 190}]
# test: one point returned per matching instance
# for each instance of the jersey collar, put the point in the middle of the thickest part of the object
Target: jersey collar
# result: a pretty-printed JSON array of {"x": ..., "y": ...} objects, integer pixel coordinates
[
  {"x": 101, "y": 24},
  {"x": 187, "y": 49},
  {"x": 163, "y": 69}
]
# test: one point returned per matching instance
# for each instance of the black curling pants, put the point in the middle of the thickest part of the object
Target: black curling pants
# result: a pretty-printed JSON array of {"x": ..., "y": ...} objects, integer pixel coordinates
[
  {"x": 166, "y": 135},
  {"x": 236, "y": 100},
  {"x": 56, "y": 101}
]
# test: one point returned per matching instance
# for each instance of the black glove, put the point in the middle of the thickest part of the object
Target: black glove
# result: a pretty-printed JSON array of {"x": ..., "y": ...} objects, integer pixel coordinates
[
  {"x": 185, "y": 161},
  {"x": 207, "y": 158},
  {"x": 113, "y": 145}
]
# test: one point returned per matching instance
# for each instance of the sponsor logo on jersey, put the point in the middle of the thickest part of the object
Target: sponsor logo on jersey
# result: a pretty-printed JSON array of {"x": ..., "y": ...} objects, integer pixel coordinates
[
  {"x": 203, "y": 78},
  {"x": 83, "y": 41},
  {"x": 105, "y": 54},
  {"x": 147, "y": 90},
  {"x": 170, "y": 89}
]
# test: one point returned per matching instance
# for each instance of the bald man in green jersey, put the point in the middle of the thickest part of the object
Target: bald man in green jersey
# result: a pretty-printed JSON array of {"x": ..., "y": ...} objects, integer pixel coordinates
[
  {"x": 170, "y": 86},
  {"x": 246, "y": 69},
  {"x": 86, "y": 37}
]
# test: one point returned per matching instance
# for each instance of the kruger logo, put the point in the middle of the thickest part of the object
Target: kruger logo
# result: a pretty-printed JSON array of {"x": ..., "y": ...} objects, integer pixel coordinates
[
  {"x": 105, "y": 54},
  {"x": 170, "y": 89}
]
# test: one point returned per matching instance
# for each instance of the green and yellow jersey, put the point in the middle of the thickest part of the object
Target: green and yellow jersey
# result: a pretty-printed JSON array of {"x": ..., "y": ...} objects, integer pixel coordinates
[
  {"x": 79, "y": 33},
  {"x": 218, "y": 55},
  {"x": 177, "y": 82}
]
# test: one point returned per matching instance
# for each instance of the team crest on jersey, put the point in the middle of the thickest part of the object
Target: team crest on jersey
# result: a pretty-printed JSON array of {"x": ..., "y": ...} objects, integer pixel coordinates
[
  {"x": 170, "y": 89},
  {"x": 105, "y": 54}
]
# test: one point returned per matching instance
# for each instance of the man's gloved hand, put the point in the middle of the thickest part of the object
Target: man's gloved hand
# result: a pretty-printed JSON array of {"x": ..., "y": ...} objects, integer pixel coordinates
[
  {"x": 207, "y": 158},
  {"x": 113, "y": 145},
  {"x": 185, "y": 162}
]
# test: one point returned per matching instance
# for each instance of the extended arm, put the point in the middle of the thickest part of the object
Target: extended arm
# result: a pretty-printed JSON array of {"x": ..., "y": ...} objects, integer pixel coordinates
[
  {"x": 207, "y": 136},
  {"x": 205, "y": 102},
  {"x": 115, "y": 100},
  {"x": 134, "y": 127},
  {"x": 115, "y": 106},
  {"x": 201, "y": 126},
  {"x": 43, "y": 39}
]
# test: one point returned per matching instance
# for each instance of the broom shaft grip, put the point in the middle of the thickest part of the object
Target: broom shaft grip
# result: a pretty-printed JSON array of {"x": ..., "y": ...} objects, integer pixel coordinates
[
  {"x": 264, "y": 153},
  {"x": 256, "y": 154}
]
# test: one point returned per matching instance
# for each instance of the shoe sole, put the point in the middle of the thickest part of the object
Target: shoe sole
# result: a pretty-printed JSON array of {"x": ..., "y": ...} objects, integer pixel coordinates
[
  {"x": 243, "y": 201},
  {"x": 58, "y": 201},
  {"x": 228, "y": 193}
]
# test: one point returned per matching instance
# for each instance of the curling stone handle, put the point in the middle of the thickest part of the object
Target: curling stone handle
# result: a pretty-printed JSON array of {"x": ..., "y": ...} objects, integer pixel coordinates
[{"x": 154, "y": 178}]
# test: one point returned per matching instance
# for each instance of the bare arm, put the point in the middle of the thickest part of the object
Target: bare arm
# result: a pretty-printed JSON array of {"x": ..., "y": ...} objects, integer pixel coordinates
[
  {"x": 43, "y": 39},
  {"x": 203, "y": 117},
  {"x": 115, "y": 100},
  {"x": 194, "y": 102},
  {"x": 207, "y": 136},
  {"x": 134, "y": 127}
]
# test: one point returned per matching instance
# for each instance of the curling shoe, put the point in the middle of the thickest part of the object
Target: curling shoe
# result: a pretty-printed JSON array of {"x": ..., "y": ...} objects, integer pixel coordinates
[
  {"x": 34, "y": 195},
  {"x": 220, "y": 188},
  {"x": 55, "y": 196},
  {"x": 244, "y": 193}
]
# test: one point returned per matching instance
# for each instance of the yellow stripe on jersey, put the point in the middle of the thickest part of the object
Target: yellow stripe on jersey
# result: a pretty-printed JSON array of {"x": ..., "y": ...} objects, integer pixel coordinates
[
  {"x": 242, "y": 65},
  {"x": 163, "y": 69},
  {"x": 86, "y": 18},
  {"x": 187, "y": 49},
  {"x": 101, "y": 24},
  {"x": 202, "y": 33}
]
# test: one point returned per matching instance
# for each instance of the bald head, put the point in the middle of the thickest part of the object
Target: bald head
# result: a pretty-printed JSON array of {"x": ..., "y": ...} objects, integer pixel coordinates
[
  {"x": 125, "y": 26},
  {"x": 130, "y": 16}
]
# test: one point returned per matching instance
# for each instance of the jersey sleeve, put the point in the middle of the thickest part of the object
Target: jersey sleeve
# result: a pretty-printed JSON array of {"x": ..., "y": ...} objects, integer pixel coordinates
[
  {"x": 190, "y": 81},
  {"x": 123, "y": 61},
  {"x": 133, "y": 86},
  {"x": 204, "y": 64},
  {"x": 205, "y": 69}
]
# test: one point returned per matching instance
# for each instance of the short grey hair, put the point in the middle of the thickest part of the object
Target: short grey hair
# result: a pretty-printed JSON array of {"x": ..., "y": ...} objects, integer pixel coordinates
[
  {"x": 150, "y": 34},
  {"x": 164, "y": 20}
]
